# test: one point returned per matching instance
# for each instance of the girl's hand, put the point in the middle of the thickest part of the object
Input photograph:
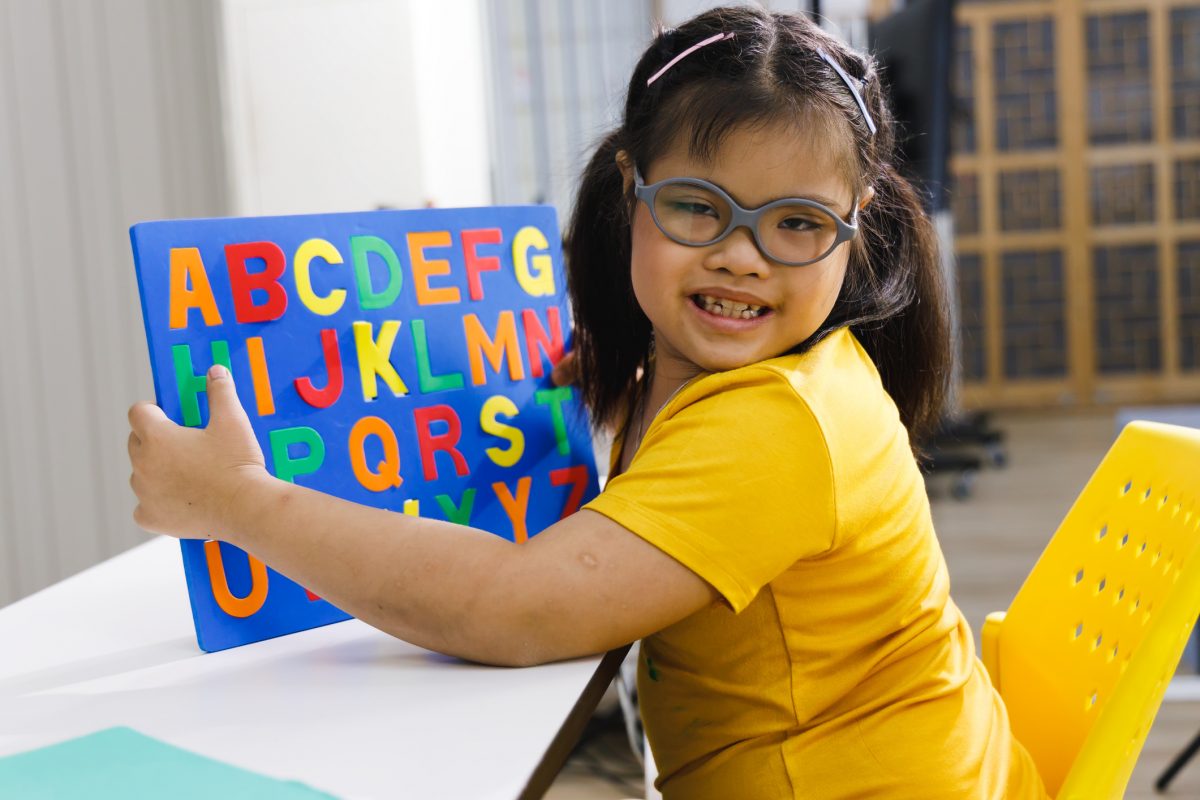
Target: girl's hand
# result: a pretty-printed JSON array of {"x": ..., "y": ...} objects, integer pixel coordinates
[
  {"x": 566, "y": 371},
  {"x": 187, "y": 479}
]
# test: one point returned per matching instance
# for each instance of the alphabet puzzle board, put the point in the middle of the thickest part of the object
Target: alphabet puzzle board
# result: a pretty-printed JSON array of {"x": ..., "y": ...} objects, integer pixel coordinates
[{"x": 399, "y": 359}]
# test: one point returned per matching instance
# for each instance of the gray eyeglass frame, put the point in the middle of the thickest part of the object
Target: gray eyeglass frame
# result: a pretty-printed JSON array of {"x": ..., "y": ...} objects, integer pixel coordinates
[{"x": 745, "y": 217}]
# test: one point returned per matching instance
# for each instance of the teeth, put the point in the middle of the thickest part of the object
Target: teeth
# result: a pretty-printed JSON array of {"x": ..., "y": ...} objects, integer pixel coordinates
[{"x": 728, "y": 308}]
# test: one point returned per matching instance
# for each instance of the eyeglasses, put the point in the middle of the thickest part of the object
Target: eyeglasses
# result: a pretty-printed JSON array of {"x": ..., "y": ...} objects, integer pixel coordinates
[{"x": 793, "y": 231}]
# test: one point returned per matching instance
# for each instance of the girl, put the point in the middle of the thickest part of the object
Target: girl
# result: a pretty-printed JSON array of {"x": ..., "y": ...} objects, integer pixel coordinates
[{"x": 759, "y": 312}]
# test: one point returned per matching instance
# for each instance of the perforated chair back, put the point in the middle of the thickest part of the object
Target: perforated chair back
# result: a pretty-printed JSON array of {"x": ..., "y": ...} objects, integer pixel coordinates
[{"x": 1084, "y": 654}]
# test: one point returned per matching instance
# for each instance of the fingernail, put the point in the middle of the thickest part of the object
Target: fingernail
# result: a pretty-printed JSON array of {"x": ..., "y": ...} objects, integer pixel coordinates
[{"x": 217, "y": 371}]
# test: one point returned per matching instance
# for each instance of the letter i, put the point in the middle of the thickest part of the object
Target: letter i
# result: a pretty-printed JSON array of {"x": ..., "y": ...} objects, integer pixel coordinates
[{"x": 259, "y": 376}]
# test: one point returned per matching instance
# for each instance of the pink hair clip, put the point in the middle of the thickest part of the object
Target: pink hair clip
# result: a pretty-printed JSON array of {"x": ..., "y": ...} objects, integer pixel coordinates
[{"x": 716, "y": 38}]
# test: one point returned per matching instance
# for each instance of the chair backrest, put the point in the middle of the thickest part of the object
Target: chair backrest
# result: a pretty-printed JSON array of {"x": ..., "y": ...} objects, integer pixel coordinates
[{"x": 1084, "y": 654}]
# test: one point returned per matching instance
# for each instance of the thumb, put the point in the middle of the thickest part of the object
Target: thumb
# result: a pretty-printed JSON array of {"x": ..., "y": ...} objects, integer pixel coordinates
[{"x": 223, "y": 403}]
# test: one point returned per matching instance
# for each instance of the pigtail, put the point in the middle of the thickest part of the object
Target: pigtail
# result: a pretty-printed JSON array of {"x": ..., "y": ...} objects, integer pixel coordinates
[
  {"x": 612, "y": 334},
  {"x": 895, "y": 264},
  {"x": 906, "y": 331}
]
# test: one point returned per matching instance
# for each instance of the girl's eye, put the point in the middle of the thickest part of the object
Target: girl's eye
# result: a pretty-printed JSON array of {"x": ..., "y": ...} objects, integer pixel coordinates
[
  {"x": 800, "y": 224},
  {"x": 694, "y": 207}
]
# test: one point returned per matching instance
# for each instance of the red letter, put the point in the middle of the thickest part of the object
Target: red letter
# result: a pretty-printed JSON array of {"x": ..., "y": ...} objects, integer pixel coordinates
[
  {"x": 324, "y": 398},
  {"x": 477, "y": 264},
  {"x": 535, "y": 336},
  {"x": 430, "y": 442},
  {"x": 515, "y": 507},
  {"x": 577, "y": 476},
  {"x": 242, "y": 283}
]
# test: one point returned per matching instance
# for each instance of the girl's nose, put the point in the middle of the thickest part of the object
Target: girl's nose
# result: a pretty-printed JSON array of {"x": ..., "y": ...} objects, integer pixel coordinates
[{"x": 738, "y": 254}]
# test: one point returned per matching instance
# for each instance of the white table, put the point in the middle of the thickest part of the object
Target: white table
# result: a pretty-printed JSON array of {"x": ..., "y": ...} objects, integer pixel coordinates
[{"x": 343, "y": 708}]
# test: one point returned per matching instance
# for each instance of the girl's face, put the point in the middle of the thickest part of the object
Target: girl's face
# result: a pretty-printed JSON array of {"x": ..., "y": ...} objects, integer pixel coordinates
[{"x": 677, "y": 286}]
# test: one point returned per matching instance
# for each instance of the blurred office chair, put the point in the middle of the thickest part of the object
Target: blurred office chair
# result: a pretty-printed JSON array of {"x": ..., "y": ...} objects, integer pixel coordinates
[{"x": 1084, "y": 654}]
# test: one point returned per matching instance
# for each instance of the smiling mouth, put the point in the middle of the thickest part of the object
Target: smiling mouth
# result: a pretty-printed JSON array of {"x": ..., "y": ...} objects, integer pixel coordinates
[{"x": 723, "y": 307}]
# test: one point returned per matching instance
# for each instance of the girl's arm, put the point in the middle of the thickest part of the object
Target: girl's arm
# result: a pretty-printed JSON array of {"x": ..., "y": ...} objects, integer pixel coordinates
[{"x": 583, "y": 586}]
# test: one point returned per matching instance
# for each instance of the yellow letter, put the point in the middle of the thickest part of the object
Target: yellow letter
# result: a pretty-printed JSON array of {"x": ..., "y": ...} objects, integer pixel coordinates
[
  {"x": 496, "y": 405},
  {"x": 305, "y": 253},
  {"x": 541, "y": 283},
  {"x": 374, "y": 358}
]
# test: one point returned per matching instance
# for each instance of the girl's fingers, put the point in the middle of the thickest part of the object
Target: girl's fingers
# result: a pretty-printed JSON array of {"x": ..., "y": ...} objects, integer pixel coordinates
[
  {"x": 566, "y": 371},
  {"x": 143, "y": 414},
  {"x": 134, "y": 444}
]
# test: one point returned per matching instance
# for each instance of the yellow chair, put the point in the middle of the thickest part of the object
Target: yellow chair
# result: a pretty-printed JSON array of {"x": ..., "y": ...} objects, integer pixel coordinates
[{"x": 1084, "y": 654}]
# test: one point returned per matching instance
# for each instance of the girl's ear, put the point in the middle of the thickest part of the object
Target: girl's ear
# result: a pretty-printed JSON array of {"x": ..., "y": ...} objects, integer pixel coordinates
[
  {"x": 867, "y": 197},
  {"x": 625, "y": 164}
]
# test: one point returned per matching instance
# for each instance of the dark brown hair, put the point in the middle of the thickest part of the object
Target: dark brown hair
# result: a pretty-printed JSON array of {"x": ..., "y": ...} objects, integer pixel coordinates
[{"x": 769, "y": 71}]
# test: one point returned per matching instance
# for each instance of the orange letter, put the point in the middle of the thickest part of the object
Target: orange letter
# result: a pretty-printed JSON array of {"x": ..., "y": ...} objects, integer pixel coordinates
[
  {"x": 515, "y": 507},
  {"x": 388, "y": 476},
  {"x": 240, "y": 607},
  {"x": 259, "y": 377},
  {"x": 422, "y": 268},
  {"x": 505, "y": 344},
  {"x": 185, "y": 265}
]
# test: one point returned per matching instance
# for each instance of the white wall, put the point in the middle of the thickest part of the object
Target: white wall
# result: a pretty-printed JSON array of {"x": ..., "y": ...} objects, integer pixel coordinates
[
  {"x": 108, "y": 115},
  {"x": 346, "y": 105}
]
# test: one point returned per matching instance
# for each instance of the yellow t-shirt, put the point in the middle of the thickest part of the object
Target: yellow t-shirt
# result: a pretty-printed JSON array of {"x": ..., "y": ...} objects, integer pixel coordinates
[{"x": 837, "y": 665}]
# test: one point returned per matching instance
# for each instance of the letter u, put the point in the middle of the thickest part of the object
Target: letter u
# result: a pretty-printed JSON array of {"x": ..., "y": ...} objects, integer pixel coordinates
[{"x": 240, "y": 607}]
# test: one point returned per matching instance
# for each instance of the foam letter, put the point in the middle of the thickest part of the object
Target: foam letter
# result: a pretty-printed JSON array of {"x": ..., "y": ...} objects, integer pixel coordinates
[
  {"x": 286, "y": 467},
  {"x": 374, "y": 358},
  {"x": 515, "y": 507},
  {"x": 259, "y": 377},
  {"x": 189, "y": 384},
  {"x": 242, "y": 283},
  {"x": 505, "y": 344},
  {"x": 541, "y": 283},
  {"x": 493, "y": 407},
  {"x": 577, "y": 477},
  {"x": 460, "y": 514},
  {"x": 388, "y": 474},
  {"x": 536, "y": 338},
  {"x": 360, "y": 248},
  {"x": 305, "y": 253},
  {"x": 240, "y": 607},
  {"x": 425, "y": 377},
  {"x": 187, "y": 267},
  {"x": 324, "y": 398},
  {"x": 430, "y": 442},
  {"x": 476, "y": 263},
  {"x": 423, "y": 268},
  {"x": 555, "y": 398}
]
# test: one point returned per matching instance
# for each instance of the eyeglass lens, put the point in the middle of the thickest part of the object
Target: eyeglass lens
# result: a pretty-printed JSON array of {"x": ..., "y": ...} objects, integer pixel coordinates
[{"x": 789, "y": 233}]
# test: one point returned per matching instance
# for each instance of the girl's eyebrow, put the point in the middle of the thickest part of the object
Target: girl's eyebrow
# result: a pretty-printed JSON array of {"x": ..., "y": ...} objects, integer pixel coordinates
[{"x": 829, "y": 202}]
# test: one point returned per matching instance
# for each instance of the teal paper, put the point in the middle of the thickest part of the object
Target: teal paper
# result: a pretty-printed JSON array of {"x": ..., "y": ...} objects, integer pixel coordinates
[{"x": 122, "y": 763}]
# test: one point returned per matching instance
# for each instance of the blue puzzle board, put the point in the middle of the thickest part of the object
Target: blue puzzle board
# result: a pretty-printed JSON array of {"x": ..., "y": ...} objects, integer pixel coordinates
[{"x": 399, "y": 359}]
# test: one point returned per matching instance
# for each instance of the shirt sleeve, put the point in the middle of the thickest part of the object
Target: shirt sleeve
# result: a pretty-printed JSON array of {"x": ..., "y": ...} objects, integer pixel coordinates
[{"x": 733, "y": 480}]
